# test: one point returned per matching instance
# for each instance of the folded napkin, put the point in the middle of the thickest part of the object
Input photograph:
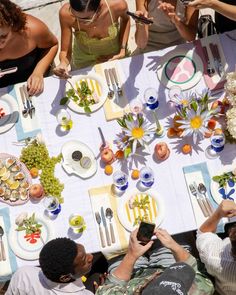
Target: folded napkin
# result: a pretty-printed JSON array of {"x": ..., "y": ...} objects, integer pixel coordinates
[
  {"x": 199, "y": 173},
  {"x": 103, "y": 197},
  {"x": 9, "y": 266},
  {"x": 25, "y": 127},
  {"x": 115, "y": 107}
]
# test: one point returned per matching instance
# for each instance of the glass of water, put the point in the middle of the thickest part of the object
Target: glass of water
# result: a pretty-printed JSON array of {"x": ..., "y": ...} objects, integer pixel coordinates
[
  {"x": 120, "y": 180},
  {"x": 151, "y": 99},
  {"x": 51, "y": 205},
  {"x": 146, "y": 177},
  {"x": 64, "y": 119},
  {"x": 217, "y": 146}
]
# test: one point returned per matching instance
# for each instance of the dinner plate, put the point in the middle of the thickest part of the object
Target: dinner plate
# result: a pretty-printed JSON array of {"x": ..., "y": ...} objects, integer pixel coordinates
[
  {"x": 10, "y": 106},
  {"x": 227, "y": 192},
  {"x": 26, "y": 247},
  {"x": 96, "y": 84},
  {"x": 74, "y": 167},
  {"x": 155, "y": 211},
  {"x": 27, "y": 179},
  {"x": 182, "y": 67}
]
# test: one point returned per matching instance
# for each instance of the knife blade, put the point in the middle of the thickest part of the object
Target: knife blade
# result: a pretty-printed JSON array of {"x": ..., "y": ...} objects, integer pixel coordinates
[
  {"x": 221, "y": 68},
  {"x": 105, "y": 226},
  {"x": 27, "y": 101}
]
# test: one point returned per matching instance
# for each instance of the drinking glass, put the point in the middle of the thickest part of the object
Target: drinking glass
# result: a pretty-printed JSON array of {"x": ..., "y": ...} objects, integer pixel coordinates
[
  {"x": 51, "y": 205},
  {"x": 64, "y": 119},
  {"x": 77, "y": 223},
  {"x": 151, "y": 100},
  {"x": 217, "y": 146},
  {"x": 120, "y": 180},
  {"x": 146, "y": 176}
]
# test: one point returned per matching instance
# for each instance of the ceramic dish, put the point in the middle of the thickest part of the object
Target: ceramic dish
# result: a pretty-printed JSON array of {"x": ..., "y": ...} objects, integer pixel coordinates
[
  {"x": 10, "y": 106},
  {"x": 74, "y": 167},
  {"x": 15, "y": 180},
  {"x": 98, "y": 87},
  {"x": 155, "y": 208},
  {"x": 28, "y": 247},
  {"x": 227, "y": 192},
  {"x": 180, "y": 67}
]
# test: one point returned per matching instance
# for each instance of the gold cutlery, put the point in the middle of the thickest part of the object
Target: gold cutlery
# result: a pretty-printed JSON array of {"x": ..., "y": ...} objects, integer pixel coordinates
[{"x": 98, "y": 219}]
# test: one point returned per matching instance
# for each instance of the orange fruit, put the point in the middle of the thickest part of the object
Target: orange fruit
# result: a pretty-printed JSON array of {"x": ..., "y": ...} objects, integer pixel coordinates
[
  {"x": 135, "y": 174},
  {"x": 211, "y": 124},
  {"x": 34, "y": 172},
  {"x": 175, "y": 123},
  {"x": 108, "y": 169},
  {"x": 218, "y": 131},
  {"x": 171, "y": 132},
  {"x": 186, "y": 149},
  {"x": 208, "y": 133},
  {"x": 179, "y": 132},
  {"x": 119, "y": 154}
]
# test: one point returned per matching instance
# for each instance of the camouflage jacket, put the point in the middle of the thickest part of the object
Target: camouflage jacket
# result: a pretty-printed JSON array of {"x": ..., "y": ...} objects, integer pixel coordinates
[{"x": 113, "y": 286}]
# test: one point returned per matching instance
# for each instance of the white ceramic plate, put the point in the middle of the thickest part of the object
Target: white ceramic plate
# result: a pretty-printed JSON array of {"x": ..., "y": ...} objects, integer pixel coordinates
[
  {"x": 74, "y": 167},
  {"x": 23, "y": 248},
  {"x": 156, "y": 209},
  {"x": 182, "y": 67},
  {"x": 10, "y": 106},
  {"x": 218, "y": 197},
  {"x": 95, "y": 83}
]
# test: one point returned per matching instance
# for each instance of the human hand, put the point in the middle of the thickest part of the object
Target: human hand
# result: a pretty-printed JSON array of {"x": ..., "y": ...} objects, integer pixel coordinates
[
  {"x": 135, "y": 249},
  {"x": 102, "y": 278},
  {"x": 199, "y": 4},
  {"x": 35, "y": 84},
  {"x": 169, "y": 10},
  {"x": 120, "y": 55},
  {"x": 226, "y": 208},
  {"x": 165, "y": 238},
  {"x": 62, "y": 71}
]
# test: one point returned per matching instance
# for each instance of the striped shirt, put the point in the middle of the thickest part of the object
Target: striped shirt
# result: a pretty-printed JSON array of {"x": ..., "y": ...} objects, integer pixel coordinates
[{"x": 215, "y": 253}]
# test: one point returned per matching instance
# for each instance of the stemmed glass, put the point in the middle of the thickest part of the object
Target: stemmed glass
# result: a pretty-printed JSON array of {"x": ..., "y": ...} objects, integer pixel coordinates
[
  {"x": 152, "y": 104},
  {"x": 77, "y": 223},
  {"x": 64, "y": 120},
  {"x": 217, "y": 146}
]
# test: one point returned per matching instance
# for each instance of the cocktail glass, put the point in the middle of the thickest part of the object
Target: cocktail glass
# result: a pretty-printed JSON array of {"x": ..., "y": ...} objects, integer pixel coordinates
[
  {"x": 64, "y": 120},
  {"x": 77, "y": 223}
]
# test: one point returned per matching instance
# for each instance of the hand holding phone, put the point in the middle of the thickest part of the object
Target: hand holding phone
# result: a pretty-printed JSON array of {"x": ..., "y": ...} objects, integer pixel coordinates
[
  {"x": 145, "y": 231},
  {"x": 140, "y": 18}
]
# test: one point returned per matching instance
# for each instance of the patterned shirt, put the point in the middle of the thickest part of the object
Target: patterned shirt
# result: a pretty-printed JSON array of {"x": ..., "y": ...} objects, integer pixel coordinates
[
  {"x": 215, "y": 253},
  {"x": 141, "y": 277}
]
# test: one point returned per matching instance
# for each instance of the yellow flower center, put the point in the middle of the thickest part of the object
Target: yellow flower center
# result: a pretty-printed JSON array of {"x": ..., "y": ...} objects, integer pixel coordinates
[
  {"x": 184, "y": 102},
  {"x": 137, "y": 132},
  {"x": 196, "y": 122}
]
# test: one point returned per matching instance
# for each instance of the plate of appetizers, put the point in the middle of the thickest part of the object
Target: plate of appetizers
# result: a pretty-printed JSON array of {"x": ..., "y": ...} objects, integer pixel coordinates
[
  {"x": 15, "y": 180},
  {"x": 86, "y": 93},
  {"x": 182, "y": 67},
  {"x": 136, "y": 206},
  {"x": 8, "y": 112},
  {"x": 223, "y": 185}
]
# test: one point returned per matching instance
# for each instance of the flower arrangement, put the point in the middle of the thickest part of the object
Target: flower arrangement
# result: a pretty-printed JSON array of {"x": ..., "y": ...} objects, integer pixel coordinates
[{"x": 136, "y": 130}]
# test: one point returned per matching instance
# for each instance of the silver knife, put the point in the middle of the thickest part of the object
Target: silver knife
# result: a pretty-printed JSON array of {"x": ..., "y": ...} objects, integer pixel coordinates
[
  {"x": 221, "y": 68},
  {"x": 27, "y": 100},
  {"x": 105, "y": 226}
]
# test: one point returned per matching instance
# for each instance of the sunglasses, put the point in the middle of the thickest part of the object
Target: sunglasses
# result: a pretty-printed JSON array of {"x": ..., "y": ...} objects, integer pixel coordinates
[{"x": 85, "y": 19}]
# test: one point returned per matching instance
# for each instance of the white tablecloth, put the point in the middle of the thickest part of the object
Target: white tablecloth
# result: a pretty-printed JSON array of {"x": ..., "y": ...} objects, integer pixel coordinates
[{"x": 169, "y": 178}]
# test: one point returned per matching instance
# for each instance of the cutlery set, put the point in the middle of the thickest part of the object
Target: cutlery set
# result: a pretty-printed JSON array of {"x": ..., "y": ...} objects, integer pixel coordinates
[
  {"x": 101, "y": 219},
  {"x": 112, "y": 82},
  {"x": 28, "y": 107},
  {"x": 2, "y": 249},
  {"x": 218, "y": 67},
  {"x": 199, "y": 192}
]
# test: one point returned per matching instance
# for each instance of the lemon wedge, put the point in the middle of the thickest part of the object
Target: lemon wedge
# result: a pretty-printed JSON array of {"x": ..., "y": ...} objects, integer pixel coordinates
[
  {"x": 6, "y": 176},
  {"x": 3, "y": 170},
  {"x": 14, "y": 185}
]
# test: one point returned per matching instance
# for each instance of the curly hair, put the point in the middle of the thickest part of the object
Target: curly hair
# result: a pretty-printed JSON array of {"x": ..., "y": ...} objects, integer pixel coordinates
[
  {"x": 57, "y": 258},
  {"x": 12, "y": 16}
]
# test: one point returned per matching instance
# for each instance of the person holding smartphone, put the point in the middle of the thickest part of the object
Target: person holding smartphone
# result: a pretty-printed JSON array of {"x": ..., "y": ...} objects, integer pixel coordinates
[
  {"x": 138, "y": 273},
  {"x": 173, "y": 23}
]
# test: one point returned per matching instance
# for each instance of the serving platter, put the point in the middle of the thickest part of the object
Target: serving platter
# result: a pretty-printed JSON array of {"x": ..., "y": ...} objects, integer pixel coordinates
[
  {"x": 96, "y": 84},
  {"x": 15, "y": 180},
  {"x": 10, "y": 106},
  {"x": 29, "y": 246},
  {"x": 182, "y": 67},
  {"x": 154, "y": 208}
]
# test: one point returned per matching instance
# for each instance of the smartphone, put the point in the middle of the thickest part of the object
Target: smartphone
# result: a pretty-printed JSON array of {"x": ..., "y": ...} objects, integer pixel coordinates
[
  {"x": 141, "y": 19},
  {"x": 145, "y": 231}
]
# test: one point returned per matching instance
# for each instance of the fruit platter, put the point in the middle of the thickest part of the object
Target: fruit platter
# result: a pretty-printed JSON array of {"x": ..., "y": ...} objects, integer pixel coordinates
[
  {"x": 15, "y": 180},
  {"x": 137, "y": 206}
]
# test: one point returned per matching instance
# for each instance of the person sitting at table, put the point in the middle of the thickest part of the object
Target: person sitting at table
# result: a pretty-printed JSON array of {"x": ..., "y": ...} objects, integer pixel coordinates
[
  {"x": 62, "y": 264},
  {"x": 225, "y": 12},
  {"x": 138, "y": 274},
  {"x": 173, "y": 23},
  {"x": 219, "y": 256},
  {"x": 100, "y": 31},
  {"x": 25, "y": 43}
]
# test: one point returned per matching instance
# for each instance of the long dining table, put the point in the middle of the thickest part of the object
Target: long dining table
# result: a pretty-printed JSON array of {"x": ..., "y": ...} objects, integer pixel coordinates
[{"x": 140, "y": 73}]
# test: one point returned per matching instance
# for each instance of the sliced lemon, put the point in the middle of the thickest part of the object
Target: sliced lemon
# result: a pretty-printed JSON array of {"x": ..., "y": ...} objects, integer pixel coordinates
[
  {"x": 6, "y": 176},
  {"x": 14, "y": 185},
  {"x": 3, "y": 170}
]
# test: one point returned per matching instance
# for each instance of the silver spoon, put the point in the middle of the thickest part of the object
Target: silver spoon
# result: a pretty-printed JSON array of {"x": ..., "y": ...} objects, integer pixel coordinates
[
  {"x": 2, "y": 245},
  {"x": 110, "y": 91},
  {"x": 202, "y": 190},
  {"x": 109, "y": 215}
]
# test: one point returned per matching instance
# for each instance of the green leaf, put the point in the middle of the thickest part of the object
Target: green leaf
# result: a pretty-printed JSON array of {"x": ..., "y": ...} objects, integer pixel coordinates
[
  {"x": 87, "y": 109},
  {"x": 64, "y": 100},
  {"x": 20, "y": 228},
  {"x": 127, "y": 152}
]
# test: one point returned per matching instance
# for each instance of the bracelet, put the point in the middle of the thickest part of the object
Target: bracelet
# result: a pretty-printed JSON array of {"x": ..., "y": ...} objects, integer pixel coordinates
[{"x": 123, "y": 46}]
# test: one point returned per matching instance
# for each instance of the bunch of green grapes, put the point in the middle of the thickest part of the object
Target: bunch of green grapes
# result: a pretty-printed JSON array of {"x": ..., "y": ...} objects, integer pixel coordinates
[{"x": 34, "y": 155}]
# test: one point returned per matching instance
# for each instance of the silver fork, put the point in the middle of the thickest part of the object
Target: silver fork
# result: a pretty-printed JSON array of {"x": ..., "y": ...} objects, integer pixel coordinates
[
  {"x": 210, "y": 70},
  {"x": 194, "y": 192},
  {"x": 119, "y": 90},
  {"x": 110, "y": 92}
]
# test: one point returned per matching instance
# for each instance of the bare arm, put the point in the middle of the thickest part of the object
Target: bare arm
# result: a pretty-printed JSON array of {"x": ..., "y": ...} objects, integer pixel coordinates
[
  {"x": 227, "y": 10},
  {"x": 141, "y": 5}
]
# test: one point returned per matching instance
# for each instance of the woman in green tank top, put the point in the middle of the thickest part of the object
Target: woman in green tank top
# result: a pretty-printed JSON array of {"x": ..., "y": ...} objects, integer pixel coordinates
[{"x": 92, "y": 31}]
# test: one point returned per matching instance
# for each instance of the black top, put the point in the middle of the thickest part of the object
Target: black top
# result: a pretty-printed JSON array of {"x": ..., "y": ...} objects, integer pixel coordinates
[
  {"x": 224, "y": 24},
  {"x": 25, "y": 65}
]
